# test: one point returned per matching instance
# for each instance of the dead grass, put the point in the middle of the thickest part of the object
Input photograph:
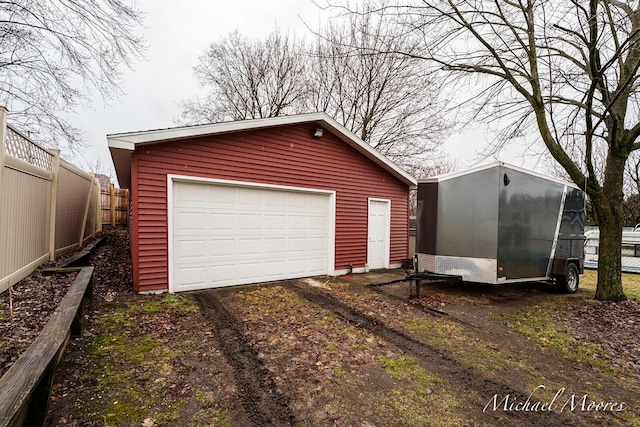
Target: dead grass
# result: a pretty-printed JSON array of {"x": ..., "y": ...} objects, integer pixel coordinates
[
  {"x": 329, "y": 368},
  {"x": 495, "y": 354},
  {"x": 552, "y": 325},
  {"x": 630, "y": 284},
  {"x": 136, "y": 366},
  {"x": 470, "y": 347},
  {"x": 149, "y": 356}
]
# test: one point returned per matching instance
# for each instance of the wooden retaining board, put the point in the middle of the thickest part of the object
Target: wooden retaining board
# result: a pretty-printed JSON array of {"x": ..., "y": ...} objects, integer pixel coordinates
[{"x": 25, "y": 387}]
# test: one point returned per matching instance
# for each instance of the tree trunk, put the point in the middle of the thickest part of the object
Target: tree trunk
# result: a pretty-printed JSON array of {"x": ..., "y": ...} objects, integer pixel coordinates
[
  {"x": 607, "y": 204},
  {"x": 609, "y": 262}
]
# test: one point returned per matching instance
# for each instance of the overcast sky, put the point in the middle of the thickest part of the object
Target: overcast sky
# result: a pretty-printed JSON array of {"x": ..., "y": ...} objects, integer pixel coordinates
[{"x": 176, "y": 34}]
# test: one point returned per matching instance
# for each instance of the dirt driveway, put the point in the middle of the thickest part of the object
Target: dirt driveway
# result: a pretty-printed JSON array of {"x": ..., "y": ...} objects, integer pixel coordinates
[{"x": 340, "y": 352}]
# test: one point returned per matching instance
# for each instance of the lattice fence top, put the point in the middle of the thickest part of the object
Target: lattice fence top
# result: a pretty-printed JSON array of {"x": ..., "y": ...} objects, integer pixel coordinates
[{"x": 17, "y": 145}]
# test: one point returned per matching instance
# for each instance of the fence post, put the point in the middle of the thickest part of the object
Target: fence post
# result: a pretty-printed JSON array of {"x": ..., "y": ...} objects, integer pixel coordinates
[
  {"x": 112, "y": 201},
  {"x": 3, "y": 137},
  {"x": 98, "y": 210},
  {"x": 128, "y": 207},
  {"x": 86, "y": 209},
  {"x": 55, "y": 171}
]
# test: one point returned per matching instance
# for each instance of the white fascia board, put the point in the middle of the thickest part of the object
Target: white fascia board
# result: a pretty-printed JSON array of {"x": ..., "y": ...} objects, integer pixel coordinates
[
  {"x": 171, "y": 134},
  {"x": 120, "y": 144},
  {"x": 129, "y": 141}
]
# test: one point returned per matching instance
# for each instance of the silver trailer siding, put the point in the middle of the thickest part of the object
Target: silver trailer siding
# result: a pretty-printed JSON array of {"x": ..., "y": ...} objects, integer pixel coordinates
[{"x": 498, "y": 223}]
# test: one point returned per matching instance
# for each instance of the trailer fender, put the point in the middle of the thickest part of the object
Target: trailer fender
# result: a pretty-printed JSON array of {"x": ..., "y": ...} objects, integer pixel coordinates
[
  {"x": 559, "y": 266},
  {"x": 566, "y": 272}
]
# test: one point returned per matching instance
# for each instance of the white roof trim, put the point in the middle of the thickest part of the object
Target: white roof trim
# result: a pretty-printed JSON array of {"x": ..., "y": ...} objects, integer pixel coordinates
[{"x": 129, "y": 141}]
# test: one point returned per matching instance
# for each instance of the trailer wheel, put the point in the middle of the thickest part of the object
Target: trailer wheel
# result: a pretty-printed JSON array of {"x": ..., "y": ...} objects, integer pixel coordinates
[{"x": 570, "y": 281}]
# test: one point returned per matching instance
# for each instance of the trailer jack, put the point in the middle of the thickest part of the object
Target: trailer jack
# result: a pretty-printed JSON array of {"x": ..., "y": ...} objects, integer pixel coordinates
[{"x": 415, "y": 281}]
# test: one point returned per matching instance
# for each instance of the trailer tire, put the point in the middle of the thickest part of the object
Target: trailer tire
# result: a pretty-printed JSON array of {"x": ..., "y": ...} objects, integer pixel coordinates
[{"x": 570, "y": 281}]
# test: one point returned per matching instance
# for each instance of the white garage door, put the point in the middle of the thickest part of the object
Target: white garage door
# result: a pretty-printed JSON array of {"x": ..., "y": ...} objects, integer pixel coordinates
[{"x": 227, "y": 235}]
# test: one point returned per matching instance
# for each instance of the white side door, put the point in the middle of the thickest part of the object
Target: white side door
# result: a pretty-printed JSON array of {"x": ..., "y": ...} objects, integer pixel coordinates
[{"x": 379, "y": 234}]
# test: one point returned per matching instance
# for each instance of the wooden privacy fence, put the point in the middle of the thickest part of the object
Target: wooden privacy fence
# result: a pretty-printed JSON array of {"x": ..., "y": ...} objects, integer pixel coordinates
[
  {"x": 115, "y": 206},
  {"x": 48, "y": 207}
]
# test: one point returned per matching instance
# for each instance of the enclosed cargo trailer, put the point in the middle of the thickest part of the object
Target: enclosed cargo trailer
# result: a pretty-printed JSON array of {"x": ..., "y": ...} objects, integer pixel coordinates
[{"x": 501, "y": 224}]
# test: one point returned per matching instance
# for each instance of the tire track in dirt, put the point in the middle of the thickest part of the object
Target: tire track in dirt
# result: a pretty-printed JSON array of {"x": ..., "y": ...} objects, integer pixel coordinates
[
  {"x": 436, "y": 362},
  {"x": 264, "y": 404},
  {"x": 378, "y": 289}
]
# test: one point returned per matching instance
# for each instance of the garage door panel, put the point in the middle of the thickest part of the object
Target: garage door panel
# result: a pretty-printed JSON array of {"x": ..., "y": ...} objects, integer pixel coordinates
[
  {"x": 191, "y": 276},
  {"x": 296, "y": 266},
  {"x": 250, "y": 221},
  {"x": 272, "y": 270},
  {"x": 249, "y": 271},
  {"x": 316, "y": 265},
  {"x": 317, "y": 223},
  {"x": 221, "y": 220},
  {"x": 191, "y": 249},
  {"x": 191, "y": 196},
  {"x": 314, "y": 202},
  {"x": 250, "y": 247},
  {"x": 275, "y": 246},
  {"x": 221, "y": 247},
  {"x": 249, "y": 197},
  {"x": 223, "y": 271},
  {"x": 222, "y": 196},
  {"x": 297, "y": 244},
  {"x": 190, "y": 220},
  {"x": 300, "y": 200},
  {"x": 277, "y": 200},
  {"x": 317, "y": 244},
  {"x": 276, "y": 222},
  {"x": 247, "y": 235},
  {"x": 297, "y": 222}
]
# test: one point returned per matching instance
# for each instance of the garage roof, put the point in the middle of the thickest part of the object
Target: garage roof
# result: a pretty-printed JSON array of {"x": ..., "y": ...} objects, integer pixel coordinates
[{"x": 122, "y": 145}]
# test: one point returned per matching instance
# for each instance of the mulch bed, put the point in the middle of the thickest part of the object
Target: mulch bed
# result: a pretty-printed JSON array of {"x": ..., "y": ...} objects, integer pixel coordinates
[{"x": 25, "y": 312}]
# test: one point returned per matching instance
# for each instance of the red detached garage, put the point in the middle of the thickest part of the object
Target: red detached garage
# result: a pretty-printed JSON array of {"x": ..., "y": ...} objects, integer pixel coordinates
[{"x": 259, "y": 200}]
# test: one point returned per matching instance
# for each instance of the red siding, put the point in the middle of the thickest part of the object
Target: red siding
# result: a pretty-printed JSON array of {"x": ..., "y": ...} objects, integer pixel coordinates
[{"x": 286, "y": 155}]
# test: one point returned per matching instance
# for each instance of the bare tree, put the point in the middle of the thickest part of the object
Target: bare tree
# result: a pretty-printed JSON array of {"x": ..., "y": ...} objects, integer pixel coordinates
[
  {"x": 632, "y": 174},
  {"x": 386, "y": 98},
  {"x": 98, "y": 166},
  {"x": 53, "y": 51},
  {"x": 566, "y": 70},
  {"x": 248, "y": 79},
  {"x": 632, "y": 190}
]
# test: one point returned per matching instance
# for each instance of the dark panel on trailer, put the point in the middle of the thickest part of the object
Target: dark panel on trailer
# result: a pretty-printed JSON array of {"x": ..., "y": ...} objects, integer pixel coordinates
[
  {"x": 427, "y": 215},
  {"x": 571, "y": 236},
  {"x": 528, "y": 218}
]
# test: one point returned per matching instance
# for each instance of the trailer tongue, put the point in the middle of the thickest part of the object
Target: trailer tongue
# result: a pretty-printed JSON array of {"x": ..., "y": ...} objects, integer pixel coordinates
[{"x": 501, "y": 224}]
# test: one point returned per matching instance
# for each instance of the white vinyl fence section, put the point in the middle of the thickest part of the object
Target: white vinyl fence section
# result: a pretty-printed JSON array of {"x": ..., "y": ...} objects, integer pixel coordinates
[
  {"x": 630, "y": 253},
  {"x": 47, "y": 206}
]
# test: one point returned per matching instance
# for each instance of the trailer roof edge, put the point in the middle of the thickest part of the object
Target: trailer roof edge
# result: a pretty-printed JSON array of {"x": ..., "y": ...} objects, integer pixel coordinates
[{"x": 458, "y": 174}]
